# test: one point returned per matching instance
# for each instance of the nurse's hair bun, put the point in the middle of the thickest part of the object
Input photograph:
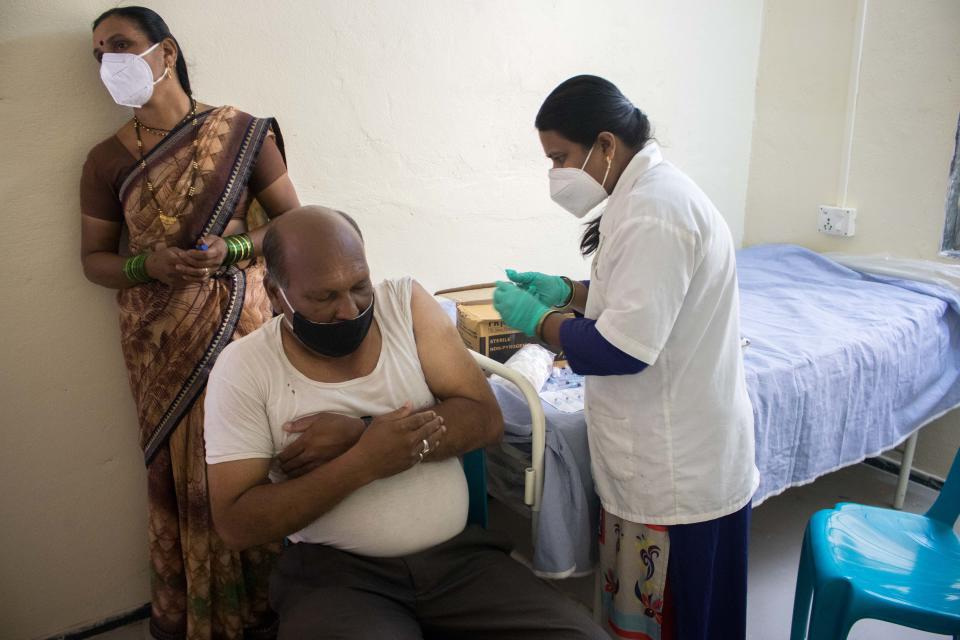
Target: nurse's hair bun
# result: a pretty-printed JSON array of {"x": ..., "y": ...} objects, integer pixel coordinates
[{"x": 583, "y": 106}]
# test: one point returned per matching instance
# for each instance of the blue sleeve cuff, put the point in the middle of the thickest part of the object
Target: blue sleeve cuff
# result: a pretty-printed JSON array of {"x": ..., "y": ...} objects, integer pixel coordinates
[{"x": 589, "y": 353}]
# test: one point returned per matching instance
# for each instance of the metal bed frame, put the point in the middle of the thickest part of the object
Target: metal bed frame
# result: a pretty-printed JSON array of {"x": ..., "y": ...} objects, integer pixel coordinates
[{"x": 533, "y": 475}]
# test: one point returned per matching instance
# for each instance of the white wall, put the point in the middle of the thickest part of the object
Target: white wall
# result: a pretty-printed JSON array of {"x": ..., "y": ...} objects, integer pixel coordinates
[
  {"x": 903, "y": 135},
  {"x": 416, "y": 117}
]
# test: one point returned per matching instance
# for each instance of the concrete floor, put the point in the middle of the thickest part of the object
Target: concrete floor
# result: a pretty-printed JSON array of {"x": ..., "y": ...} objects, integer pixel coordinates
[{"x": 777, "y": 532}]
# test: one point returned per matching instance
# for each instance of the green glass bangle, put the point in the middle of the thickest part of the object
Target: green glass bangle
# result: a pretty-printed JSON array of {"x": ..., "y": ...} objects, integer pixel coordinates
[
  {"x": 239, "y": 248},
  {"x": 135, "y": 269},
  {"x": 231, "y": 251}
]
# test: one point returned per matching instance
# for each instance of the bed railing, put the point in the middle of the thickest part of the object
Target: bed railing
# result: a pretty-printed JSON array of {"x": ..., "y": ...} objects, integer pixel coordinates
[{"x": 533, "y": 476}]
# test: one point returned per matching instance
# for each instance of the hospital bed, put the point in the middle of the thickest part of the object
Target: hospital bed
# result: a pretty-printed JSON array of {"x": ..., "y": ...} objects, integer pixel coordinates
[{"x": 842, "y": 365}]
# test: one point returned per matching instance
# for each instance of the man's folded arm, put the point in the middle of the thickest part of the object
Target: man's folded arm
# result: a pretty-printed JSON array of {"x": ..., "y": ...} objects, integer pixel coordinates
[
  {"x": 465, "y": 400},
  {"x": 249, "y": 510}
]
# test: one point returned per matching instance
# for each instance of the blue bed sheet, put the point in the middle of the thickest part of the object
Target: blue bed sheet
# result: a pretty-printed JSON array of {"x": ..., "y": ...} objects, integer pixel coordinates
[
  {"x": 841, "y": 366},
  {"x": 570, "y": 508}
]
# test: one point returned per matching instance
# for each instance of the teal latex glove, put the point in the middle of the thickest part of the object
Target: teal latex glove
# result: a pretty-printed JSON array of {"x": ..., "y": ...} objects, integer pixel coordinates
[
  {"x": 518, "y": 308},
  {"x": 552, "y": 291}
]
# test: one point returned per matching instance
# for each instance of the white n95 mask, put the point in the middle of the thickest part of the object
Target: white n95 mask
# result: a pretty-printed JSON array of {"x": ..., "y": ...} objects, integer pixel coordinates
[
  {"x": 576, "y": 190},
  {"x": 128, "y": 77}
]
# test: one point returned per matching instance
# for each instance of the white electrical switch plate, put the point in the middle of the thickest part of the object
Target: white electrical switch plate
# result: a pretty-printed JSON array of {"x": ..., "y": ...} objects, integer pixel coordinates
[{"x": 837, "y": 221}]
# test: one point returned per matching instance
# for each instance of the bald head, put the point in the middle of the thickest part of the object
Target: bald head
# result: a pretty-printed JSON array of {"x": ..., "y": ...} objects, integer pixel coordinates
[{"x": 310, "y": 241}]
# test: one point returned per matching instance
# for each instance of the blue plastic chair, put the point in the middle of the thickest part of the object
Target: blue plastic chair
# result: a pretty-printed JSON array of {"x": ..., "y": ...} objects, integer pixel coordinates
[{"x": 868, "y": 562}]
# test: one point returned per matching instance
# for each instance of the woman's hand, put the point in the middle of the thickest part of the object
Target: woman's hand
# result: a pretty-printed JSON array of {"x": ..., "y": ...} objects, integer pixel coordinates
[
  {"x": 552, "y": 291},
  {"x": 164, "y": 264},
  {"x": 518, "y": 308},
  {"x": 200, "y": 263}
]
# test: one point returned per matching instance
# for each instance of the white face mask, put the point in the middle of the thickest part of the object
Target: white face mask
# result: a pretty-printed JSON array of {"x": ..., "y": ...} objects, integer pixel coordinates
[
  {"x": 576, "y": 190},
  {"x": 128, "y": 77}
]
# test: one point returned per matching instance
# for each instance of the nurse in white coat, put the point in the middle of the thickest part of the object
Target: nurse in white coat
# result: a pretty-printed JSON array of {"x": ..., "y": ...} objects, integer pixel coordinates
[{"x": 657, "y": 334}]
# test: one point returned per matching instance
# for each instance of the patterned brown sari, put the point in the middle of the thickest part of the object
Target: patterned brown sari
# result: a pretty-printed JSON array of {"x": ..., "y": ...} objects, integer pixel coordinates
[{"x": 170, "y": 339}]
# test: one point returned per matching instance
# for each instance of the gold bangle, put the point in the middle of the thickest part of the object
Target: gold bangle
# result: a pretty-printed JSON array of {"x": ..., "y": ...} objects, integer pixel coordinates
[
  {"x": 543, "y": 319},
  {"x": 573, "y": 294}
]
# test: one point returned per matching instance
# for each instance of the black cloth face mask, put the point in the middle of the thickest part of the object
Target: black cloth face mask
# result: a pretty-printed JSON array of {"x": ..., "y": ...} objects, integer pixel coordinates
[{"x": 331, "y": 339}]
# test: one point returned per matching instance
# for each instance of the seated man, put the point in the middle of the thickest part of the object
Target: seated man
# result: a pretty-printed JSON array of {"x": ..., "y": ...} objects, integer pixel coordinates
[{"x": 384, "y": 397}]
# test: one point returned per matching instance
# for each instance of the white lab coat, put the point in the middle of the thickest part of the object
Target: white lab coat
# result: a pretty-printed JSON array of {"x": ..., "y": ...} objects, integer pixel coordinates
[{"x": 673, "y": 444}]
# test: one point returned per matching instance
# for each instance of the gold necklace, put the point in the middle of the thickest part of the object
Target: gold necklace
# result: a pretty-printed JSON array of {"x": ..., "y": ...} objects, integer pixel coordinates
[
  {"x": 166, "y": 219},
  {"x": 157, "y": 131}
]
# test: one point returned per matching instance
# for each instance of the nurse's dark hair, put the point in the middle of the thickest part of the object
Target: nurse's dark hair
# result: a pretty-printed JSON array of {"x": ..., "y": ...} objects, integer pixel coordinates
[
  {"x": 579, "y": 109},
  {"x": 152, "y": 25}
]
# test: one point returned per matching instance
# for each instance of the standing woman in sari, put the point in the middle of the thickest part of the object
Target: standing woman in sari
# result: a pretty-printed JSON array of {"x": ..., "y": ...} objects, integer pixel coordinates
[{"x": 183, "y": 179}]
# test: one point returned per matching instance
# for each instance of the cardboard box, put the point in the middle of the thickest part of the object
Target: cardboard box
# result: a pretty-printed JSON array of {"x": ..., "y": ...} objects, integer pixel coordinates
[{"x": 479, "y": 324}]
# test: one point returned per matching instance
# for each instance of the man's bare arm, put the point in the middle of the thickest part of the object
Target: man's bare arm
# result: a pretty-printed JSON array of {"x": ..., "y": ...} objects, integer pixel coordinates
[
  {"x": 249, "y": 510},
  {"x": 466, "y": 402}
]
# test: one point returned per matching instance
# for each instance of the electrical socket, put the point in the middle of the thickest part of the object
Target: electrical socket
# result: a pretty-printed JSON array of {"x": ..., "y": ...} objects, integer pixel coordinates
[{"x": 836, "y": 221}]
